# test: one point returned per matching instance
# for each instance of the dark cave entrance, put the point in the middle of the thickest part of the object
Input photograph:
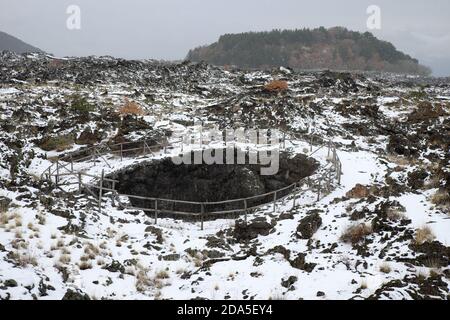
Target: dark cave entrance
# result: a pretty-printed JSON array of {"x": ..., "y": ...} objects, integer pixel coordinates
[{"x": 163, "y": 179}]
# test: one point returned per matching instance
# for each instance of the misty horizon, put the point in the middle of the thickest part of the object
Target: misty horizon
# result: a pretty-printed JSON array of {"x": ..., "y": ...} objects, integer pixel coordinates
[{"x": 168, "y": 30}]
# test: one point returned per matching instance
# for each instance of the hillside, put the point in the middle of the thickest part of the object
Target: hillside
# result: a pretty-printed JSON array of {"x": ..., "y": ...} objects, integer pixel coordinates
[
  {"x": 335, "y": 48},
  {"x": 10, "y": 43}
]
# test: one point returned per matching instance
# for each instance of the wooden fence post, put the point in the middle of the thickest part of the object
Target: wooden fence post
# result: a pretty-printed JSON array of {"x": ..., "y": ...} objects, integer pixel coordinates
[
  {"x": 329, "y": 181},
  {"x": 335, "y": 157},
  {"x": 100, "y": 193},
  {"x": 112, "y": 193},
  {"x": 329, "y": 149},
  {"x": 274, "y": 201},
  {"x": 156, "y": 211},
  {"x": 121, "y": 152},
  {"x": 57, "y": 173},
  {"x": 318, "y": 191},
  {"x": 295, "y": 195},
  {"x": 245, "y": 210},
  {"x": 50, "y": 175},
  {"x": 71, "y": 164},
  {"x": 79, "y": 182},
  {"x": 202, "y": 211}
]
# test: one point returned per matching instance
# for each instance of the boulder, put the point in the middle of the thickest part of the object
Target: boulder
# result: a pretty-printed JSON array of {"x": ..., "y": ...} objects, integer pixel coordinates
[
  {"x": 289, "y": 282},
  {"x": 10, "y": 283},
  {"x": 309, "y": 225},
  {"x": 245, "y": 232},
  {"x": 75, "y": 295}
]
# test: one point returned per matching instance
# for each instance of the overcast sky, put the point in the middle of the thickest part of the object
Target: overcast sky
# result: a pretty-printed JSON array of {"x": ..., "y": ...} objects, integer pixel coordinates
[{"x": 167, "y": 29}]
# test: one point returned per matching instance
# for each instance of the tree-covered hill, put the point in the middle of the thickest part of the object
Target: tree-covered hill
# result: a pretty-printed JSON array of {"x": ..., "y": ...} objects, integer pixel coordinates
[{"x": 335, "y": 48}]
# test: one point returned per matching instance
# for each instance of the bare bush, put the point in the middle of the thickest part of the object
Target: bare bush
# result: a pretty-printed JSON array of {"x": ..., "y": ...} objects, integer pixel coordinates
[
  {"x": 276, "y": 86},
  {"x": 356, "y": 233},
  {"x": 131, "y": 108}
]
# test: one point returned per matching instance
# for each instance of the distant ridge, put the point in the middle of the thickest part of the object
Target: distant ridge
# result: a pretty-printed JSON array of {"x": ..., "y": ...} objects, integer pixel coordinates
[
  {"x": 10, "y": 43},
  {"x": 308, "y": 49}
]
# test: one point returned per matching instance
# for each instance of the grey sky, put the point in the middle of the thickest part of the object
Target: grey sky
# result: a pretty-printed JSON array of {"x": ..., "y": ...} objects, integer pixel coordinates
[{"x": 167, "y": 29}]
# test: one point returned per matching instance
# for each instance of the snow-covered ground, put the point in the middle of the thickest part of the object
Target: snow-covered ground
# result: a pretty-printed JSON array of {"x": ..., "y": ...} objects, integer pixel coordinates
[{"x": 395, "y": 156}]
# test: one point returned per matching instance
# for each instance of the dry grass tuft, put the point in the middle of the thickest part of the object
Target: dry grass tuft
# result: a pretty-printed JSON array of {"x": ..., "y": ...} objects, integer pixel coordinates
[
  {"x": 4, "y": 218},
  {"x": 23, "y": 259},
  {"x": 385, "y": 268},
  {"x": 363, "y": 285},
  {"x": 441, "y": 198},
  {"x": 60, "y": 243},
  {"x": 162, "y": 274},
  {"x": 85, "y": 265},
  {"x": 18, "y": 234},
  {"x": 64, "y": 259},
  {"x": 41, "y": 219},
  {"x": 401, "y": 160},
  {"x": 143, "y": 281},
  {"x": 395, "y": 214},
  {"x": 356, "y": 233},
  {"x": 91, "y": 250},
  {"x": 18, "y": 221},
  {"x": 424, "y": 234}
]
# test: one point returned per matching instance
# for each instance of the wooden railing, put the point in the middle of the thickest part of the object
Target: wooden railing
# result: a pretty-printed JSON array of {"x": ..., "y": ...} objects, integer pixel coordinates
[{"x": 321, "y": 185}]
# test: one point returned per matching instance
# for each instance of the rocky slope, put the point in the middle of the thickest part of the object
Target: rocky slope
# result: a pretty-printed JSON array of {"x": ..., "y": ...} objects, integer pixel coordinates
[{"x": 382, "y": 234}]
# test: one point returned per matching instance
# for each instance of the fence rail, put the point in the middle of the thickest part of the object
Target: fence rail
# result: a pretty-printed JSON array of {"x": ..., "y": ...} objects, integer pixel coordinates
[{"x": 64, "y": 167}]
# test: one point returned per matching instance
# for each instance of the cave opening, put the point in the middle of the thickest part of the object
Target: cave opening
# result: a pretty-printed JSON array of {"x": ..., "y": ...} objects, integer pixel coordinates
[{"x": 166, "y": 180}]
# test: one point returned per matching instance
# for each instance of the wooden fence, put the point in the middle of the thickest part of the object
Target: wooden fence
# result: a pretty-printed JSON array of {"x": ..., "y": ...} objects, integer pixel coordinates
[{"x": 64, "y": 166}]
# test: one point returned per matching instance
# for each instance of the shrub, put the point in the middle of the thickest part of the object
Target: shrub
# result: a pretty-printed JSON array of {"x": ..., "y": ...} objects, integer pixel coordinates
[
  {"x": 424, "y": 234},
  {"x": 441, "y": 198},
  {"x": 356, "y": 233},
  {"x": 131, "y": 108},
  {"x": 80, "y": 105},
  {"x": 276, "y": 86},
  {"x": 417, "y": 95},
  {"x": 58, "y": 143},
  {"x": 142, "y": 281}
]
